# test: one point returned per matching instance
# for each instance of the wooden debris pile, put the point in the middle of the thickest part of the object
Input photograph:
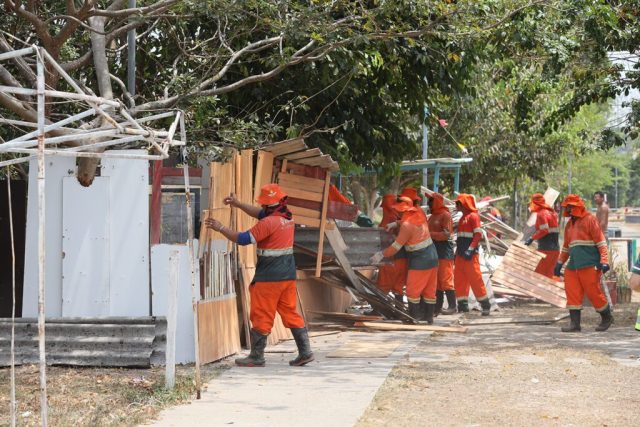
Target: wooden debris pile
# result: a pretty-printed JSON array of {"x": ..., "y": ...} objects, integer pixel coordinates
[{"x": 517, "y": 272}]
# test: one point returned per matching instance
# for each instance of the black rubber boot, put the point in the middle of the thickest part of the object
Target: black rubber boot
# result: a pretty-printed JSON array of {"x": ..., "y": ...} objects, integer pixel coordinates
[
  {"x": 606, "y": 321},
  {"x": 415, "y": 310},
  {"x": 256, "y": 356},
  {"x": 400, "y": 299},
  {"x": 428, "y": 312},
  {"x": 486, "y": 307},
  {"x": 439, "y": 302},
  {"x": 305, "y": 355},
  {"x": 574, "y": 325},
  {"x": 463, "y": 306},
  {"x": 451, "y": 300}
]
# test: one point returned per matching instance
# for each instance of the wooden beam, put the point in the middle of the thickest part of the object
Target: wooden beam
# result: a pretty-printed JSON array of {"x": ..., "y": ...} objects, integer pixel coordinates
[
  {"x": 264, "y": 171},
  {"x": 323, "y": 222},
  {"x": 302, "y": 194},
  {"x": 401, "y": 327},
  {"x": 286, "y": 147},
  {"x": 313, "y": 152}
]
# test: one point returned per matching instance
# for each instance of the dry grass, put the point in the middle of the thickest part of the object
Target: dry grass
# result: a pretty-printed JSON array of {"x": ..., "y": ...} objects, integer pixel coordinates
[{"x": 97, "y": 396}]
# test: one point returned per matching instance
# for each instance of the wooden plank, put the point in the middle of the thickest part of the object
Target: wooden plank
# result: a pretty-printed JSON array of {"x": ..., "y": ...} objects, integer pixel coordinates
[
  {"x": 303, "y": 220},
  {"x": 528, "y": 256},
  {"x": 528, "y": 288},
  {"x": 244, "y": 193},
  {"x": 285, "y": 147},
  {"x": 315, "y": 161},
  {"x": 536, "y": 277},
  {"x": 518, "y": 246},
  {"x": 307, "y": 204},
  {"x": 339, "y": 247},
  {"x": 520, "y": 261},
  {"x": 301, "y": 194},
  {"x": 313, "y": 152},
  {"x": 301, "y": 182},
  {"x": 264, "y": 171},
  {"x": 204, "y": 234},
  {"x": 510, "y": 320},
  {"x": 535, "y": 282},
  {"x": 506, "y": 291},
  {"x": 218, "y": 328},
  {"x": 221, "y": 183},
  {"x": 401, "y": 327},
  {"x": 347, "y": 316},
  {"x": 323, "y": 222},
  {"x": 309, "y": 213}
]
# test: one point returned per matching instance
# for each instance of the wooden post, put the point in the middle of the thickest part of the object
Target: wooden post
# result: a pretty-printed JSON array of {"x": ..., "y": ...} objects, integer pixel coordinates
[
  {"x": 156, "y": 202},
  {"x": 323, "y": 222},
  {"x": 172, "y": 317},
  {"x": 195, "y": 293},
  {"x": 41, "y": 240}
]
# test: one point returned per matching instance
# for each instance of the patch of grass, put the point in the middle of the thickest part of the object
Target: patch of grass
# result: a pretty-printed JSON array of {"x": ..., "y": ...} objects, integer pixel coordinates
[{"x": 99, "y": 396}]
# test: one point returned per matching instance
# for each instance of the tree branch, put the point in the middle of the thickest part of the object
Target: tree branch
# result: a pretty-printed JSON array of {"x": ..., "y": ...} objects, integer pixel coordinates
[
  {"x": 124, "y": 13},
  {"x": 24, "y": 68}
]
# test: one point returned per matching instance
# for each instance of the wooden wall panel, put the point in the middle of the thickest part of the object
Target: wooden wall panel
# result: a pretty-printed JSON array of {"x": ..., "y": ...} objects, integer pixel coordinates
[{"x": 218, "y": 328}]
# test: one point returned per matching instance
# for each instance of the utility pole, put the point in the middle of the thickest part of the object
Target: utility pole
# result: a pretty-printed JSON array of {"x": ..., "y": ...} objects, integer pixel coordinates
[
  {"x": 425, "y": 147},
  {"x": 616, "y": 182},
  {"x": 570, "y": 159}
]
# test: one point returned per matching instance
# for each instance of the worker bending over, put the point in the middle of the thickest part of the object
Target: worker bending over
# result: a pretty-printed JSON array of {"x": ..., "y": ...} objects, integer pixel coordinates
[
  {"x": 274, "y": 285},
  {"x": 467, "y": 264},
  {"x": 422, "y": 274},
  {"x": 392, "y": 276},
  {"x": 441, "y": 229},
  {"x": 585, "y": 246},
  {"x": 546, "y": 234}
]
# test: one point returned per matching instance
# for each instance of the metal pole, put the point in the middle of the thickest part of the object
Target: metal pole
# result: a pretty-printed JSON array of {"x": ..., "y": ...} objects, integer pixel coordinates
[
  {"x": 131, "y": 56},
  {"x": 570, "y": 160},
  {"x": 13, "y": 304},
  {"x": 195, "y": 293},
  {"x": 425, "y": 147},
  {"x": 616, "y": 205},
  {"x": 41, "y": 241}
]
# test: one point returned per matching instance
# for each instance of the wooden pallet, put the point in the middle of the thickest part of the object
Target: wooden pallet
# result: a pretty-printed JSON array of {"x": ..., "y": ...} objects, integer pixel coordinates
[{"x": 517, "y": 271}]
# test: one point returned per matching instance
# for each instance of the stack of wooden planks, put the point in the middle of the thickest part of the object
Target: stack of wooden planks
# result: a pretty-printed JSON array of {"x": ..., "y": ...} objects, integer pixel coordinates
[{"x": 517, "y": 272}]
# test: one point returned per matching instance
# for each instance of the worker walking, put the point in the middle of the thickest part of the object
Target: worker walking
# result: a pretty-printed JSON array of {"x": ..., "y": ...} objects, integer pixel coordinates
[
  {"x": 422, "y": 274},
  {"x": 441, "y": 229},
  {"x": 585, "y": 247},
  {"x": 467, "y": 264},
  {"x": 274, "y": 285},
  {"x": 392, "y": 276},
  {"x": 546, "y": 234}
]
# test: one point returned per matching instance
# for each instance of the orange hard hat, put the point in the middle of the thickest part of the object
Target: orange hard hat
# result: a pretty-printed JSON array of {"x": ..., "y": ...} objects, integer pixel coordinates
[
  {"x": 404, "y": 204},
  {"x": 411, "y": 193},
  {"x": 270, "y": 194}
]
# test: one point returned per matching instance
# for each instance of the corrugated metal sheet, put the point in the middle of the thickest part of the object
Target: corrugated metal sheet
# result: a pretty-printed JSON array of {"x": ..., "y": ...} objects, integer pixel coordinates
[
  {"x": 362, "y": 243},
  {"x": 121, "y": 341}
]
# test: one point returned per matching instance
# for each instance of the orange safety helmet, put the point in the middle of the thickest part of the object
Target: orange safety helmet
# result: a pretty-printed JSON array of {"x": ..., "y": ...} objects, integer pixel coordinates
[
  {"x": 404, "y": 204},
  {"x": 270, "y": 194},
  {"x": 411, "y": 193}
]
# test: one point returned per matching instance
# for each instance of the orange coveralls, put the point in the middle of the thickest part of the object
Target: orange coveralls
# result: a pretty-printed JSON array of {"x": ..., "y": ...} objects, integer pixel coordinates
[
  {"x": 274, "y": 284},
  {"x": 546, "y": 234},
  {"x": 392, "y": 276},
  {"x": 441, "y": 229},
  {"x": 422, "y": 276},
  {"x": 467, "y": 272},
  {"x": 586, "y": 246}
]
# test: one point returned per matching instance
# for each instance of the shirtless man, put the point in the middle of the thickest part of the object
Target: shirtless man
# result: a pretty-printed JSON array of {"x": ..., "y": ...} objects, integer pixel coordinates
[{"x": 602, "y": 212}]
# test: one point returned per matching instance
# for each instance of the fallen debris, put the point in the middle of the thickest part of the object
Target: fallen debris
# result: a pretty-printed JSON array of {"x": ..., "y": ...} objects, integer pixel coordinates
[{"x": 401, "y": 327}]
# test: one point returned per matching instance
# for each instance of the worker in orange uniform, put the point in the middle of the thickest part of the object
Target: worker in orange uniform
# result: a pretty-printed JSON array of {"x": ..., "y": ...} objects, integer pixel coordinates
[
  {"x": 422, "y": 275},
  {"x": 585, "y": 246},
  {"x": 412, "y": 193},
  {"x": 441, "y": 229},
  {"x": 467, "y": 264},
  {"x": 546, "y": 234},
  {"x": 274, "y": 285},
  {"x": 392, "y": 276}
]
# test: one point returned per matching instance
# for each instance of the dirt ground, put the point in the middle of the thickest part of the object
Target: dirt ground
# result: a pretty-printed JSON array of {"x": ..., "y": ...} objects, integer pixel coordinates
[
  {"x": 97, "y": 396},
  {"x": 527, "y": 375}
]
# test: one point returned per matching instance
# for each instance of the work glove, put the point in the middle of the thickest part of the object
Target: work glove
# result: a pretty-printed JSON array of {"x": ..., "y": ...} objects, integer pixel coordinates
[
  {"x": 557, "y": 271},
  {"x": 603, "y": 266},
  {"x": 389, "y": 227},
  {"x": 529, "y": 241},
  {"x": 376, "y": 258},
  {"x": 468, "y": 254}
]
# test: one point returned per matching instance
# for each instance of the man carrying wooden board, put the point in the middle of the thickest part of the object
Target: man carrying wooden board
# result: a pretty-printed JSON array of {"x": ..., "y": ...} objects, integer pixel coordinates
[
  {"x": 274, "y": 285},
  {"x": 546, "y": 234},
  {"x": 585, "y": 247}
]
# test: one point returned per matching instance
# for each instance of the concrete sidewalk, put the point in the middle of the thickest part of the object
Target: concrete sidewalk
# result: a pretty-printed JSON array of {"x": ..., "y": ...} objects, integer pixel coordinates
[{"x": 328, "y": 391}]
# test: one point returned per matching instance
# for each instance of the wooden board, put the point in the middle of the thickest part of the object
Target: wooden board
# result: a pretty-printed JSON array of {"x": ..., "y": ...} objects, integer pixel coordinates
[
  {"x": 323, "y": 223},
  {"x": 218, "y": 329},
  {"x": 309, "y": 213},
  {"x": 401, "y": 327},
  {"x": 346, "y": 316},
  {"x": 366, "y": 349},
  {"x": 513, "y": 320},
  {"x": 244, "y": 193},
  {"x": 313, "y": 152},
  {"x": 301, "y": 194},
  {"x": 301, "y": 182},
  {"x": 264, "y": 171},
  {"x": 529, "y": 289},
  {"x": 286, "y": 147}
]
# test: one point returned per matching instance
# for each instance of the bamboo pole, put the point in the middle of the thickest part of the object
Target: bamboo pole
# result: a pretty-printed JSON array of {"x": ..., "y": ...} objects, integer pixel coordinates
[
  {"x": 13, "y": 304},
  {"x": 195, "y": 293},
  {"x": 41, "y": 242}
]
